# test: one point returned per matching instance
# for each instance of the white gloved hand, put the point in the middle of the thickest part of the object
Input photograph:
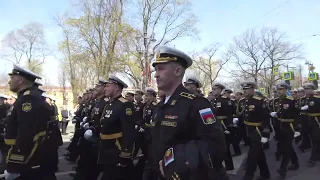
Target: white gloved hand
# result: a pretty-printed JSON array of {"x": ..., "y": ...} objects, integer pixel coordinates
[
  {"x": 74, "y": 121},
  {"x": 85, "y": 119},
  {"x": 235, "y": 120},
  {"x": 81, "y": 124},
  {"x": 306, "y": 107},
  {"x": 296, "y": 134},
  {"x": 88, "y": 134},
  {"x": 86, "y": 126},
  {"x": 10, "y": 176},
  {"x": 264, "y": 140},
  {"x": 273, "y": 114},
  {"x": 136, "y": 127},
  {"x": 227, "y": 132},
  {"x": 141, "y": 130}
]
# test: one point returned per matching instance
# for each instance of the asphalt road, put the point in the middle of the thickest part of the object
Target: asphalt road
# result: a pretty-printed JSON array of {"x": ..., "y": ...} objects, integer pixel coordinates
[{"x": 303, "y": 173}]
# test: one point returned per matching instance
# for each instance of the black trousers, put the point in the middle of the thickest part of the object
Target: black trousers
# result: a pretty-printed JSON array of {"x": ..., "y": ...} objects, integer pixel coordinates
[
  {"x": 256, "y": 157},
  {"x": 315, "y": 137},
  {"x": 145, "y": 145},
  {"x": 113, "y": 172},
  {"x": 63, "y": 126},
  {"x": 286, "y": 148},
  {"x": 228, "y": 158},
  {"x": 305, "y": 133}
]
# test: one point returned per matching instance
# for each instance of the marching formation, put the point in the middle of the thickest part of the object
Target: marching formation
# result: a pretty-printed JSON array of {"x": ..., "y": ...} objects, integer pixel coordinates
[{"x": 174, "y": 133}]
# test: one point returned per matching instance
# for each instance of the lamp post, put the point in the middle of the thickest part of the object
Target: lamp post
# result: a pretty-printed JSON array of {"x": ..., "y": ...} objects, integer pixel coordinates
[{"x": 147, "y": 42}]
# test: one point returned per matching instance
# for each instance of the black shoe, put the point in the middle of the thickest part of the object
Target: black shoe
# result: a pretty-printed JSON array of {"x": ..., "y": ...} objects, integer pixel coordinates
[
  {"x": 263, "y": 178},
  {"x": 281, "y": 172},
  {"x": 237, "y": 154},
  {"x": 311, "y": 164},
  {"x": 293, "y": 167},
  {"x": 73, "y": 175},
  {"x": 229, "y": 168},
  {"x": 301, "y": 148},
  {"x": 278, "y": 156}
]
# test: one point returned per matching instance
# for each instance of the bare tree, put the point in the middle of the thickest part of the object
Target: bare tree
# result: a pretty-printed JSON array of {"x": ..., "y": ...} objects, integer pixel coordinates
[
  {"x": 99, "y": 30},
  {"x": 26, "y": 44},
  {"x": 209, "y": 64},
  {"x": 166, "y": 20},
  {"x": 257, "y": 53}
]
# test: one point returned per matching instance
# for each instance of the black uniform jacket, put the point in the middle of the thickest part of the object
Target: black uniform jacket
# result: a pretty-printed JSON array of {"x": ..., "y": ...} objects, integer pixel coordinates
[
  {"x": 96, "y": 114},
  {"x": 183, "y": 119},
  {"x": 26, "y": 126},
  {"x": 224, "y": 109},
  {"x": 256, "y": 116},
  {"x": 117, "y": 132}
]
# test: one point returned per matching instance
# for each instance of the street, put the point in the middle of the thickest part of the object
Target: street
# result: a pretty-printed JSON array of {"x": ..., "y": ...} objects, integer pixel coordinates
[{"x": 302, "y": 173}]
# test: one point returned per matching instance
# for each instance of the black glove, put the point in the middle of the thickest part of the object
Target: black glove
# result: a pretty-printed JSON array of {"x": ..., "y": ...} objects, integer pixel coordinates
[{"x": 124, "y": 162}]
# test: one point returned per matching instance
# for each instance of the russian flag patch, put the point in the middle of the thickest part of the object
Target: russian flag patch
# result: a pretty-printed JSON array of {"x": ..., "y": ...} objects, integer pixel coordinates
[
  {"x": 207, "y": 116},
  {"x": 168, "y": 157}
]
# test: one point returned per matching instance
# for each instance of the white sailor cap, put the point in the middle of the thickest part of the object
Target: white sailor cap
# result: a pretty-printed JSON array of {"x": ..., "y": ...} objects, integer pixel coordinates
[
  {"x": 309, "y": 86},
  {"x": 219, "y": 85},
  {"x": 193, "y": 80},
  {"x": 165, "y": 54},
  {"x": 115, "y": 80},
  {"x": 17, "y": 70},
  {"x": 282, "y": 85},
  {"x": 3, "y": 96},
  {"x": 101, "y": 81}
]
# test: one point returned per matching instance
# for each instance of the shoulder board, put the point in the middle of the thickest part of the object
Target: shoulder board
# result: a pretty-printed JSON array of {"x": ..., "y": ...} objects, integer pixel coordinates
[
  {"x": 257, "y": 97},
  {"x": 289, "y": 97},
  {"x": 316, "y": 96},
  {"x": 123, "y": 100},
  {"x": 106, "y": 99},
  {"x": 187, "y": 95},
  {"x": 26, "y": 93},
  {"x": 154, "y": 103},
  {"x": 223, "y": 96}
]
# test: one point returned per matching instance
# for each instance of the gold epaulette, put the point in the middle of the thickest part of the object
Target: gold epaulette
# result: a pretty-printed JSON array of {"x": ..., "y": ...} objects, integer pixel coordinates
[
  {"x": 154, "y": 103},
  {"x": 187, "y": 95},
  {"x": 257, "y": 97},
  {"x": 290, "y": 97},
  {"x": 123, "y": 100},
  {"x": 26, "y": 93}
]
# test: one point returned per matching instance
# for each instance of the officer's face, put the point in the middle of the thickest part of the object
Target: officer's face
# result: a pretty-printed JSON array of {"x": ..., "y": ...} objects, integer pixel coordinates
[
  {"x": 15, "y": 82},
  {"x": 281, "y": 91},
  {"x": 301, "y": 93},
  {"x": 191, "y": 87},
  {"x": 216, "y": 91},
  {"x": 166, "y": 75},
  {"x": 109, "y": 89},
  {"x": 238, "y": 96},
  {"x": 248, "y": 92},
  {"x": 99, "y": 90},
  {"x": 129, "y": 98},
  {"x": 308, "y": 91},
  {"x": 138, "y": 97},
  {"x": 148, "y": 97}
]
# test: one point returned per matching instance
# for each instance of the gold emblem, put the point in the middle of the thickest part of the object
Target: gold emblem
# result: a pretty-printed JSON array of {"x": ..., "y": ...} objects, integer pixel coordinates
[
  {"x": 128, "y": 111},
  {"x": 158, "y": 56},
  {"x": 26, "y": 107},
  {"x": 173, "y": 102},
  {"x": 169, "y": 152},
  {"x": 311, "y": 103}
]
